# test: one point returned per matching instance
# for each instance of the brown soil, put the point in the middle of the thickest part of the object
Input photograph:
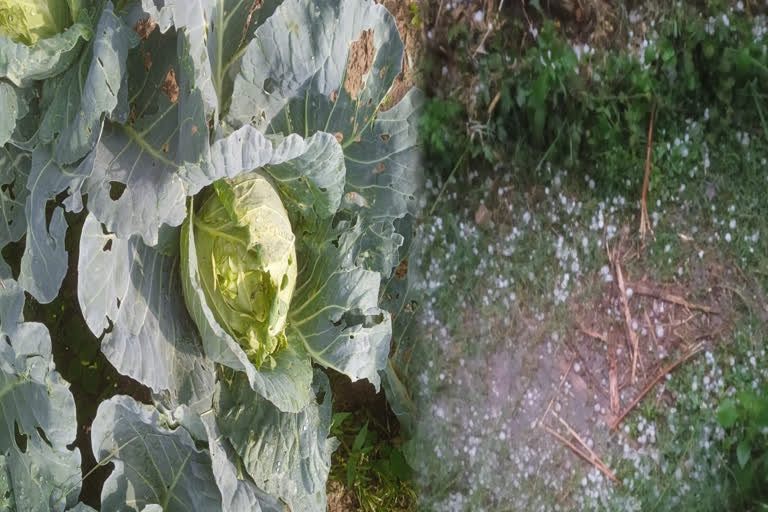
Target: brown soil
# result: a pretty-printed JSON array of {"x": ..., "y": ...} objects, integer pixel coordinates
[
  {"x": 679, "y": 329},
  {"x": 413, "y": 39},
  {"x": 354, "y": 396},
  {"x": 357, "y": 397},
  {"x": 361, "y": 55},
  {"x": 341, "y": 499}
]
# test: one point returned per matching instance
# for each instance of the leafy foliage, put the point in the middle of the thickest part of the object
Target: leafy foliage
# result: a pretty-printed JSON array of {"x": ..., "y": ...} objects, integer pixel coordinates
[
  {"x": 142, "y": 107},
  {"x": 746, "y": 419}
]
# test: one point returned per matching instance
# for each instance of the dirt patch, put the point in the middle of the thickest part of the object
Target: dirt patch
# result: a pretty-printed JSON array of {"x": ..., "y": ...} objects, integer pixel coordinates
[
  {"x": 413, "y": 40},
  {"x": 620, "y": 352},
  {"x": 341, "y": 499},
  {"x": 361, "y": 53},
  {"x": 354, "y": 396},
  {"x": 666, "y": 326}
]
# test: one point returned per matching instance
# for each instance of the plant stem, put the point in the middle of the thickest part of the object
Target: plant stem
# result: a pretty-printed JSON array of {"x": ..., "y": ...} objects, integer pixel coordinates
[{"x": 445, "y": 185}]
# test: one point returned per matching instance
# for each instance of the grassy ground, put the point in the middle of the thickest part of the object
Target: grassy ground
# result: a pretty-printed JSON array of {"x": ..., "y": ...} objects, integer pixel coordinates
[{"x": 536, "y": 141}]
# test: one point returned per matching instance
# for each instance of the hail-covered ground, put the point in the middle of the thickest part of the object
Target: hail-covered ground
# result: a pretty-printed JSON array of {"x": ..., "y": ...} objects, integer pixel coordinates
[
  {"x": 503, "y": 282},
  {"x": 508, "y": 271}
]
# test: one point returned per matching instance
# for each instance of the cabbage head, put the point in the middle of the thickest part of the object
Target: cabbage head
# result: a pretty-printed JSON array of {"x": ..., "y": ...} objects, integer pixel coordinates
[
  {"x": 247, "y": 260},
  {"x": 26, "y": 21}
]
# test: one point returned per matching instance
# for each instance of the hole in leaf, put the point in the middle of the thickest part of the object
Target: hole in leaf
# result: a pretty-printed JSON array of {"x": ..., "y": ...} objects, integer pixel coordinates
[
  {"x": 21, "y": 439},
  {"x": 116, "y": 190},
  {"x": 385, "y": 137},
  {"x": 320, "y": 397},
  {"x": 109, "y": 329},
  {"x": 269, "y": 85},
  {"x": 107, "y": 246},
  {"x": 8, "y": 189},
  {"x": 42, "y": 435},
  {"x": 7, "y": 340}
]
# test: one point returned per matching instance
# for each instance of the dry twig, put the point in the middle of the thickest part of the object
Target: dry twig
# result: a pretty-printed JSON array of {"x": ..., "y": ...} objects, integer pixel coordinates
[
  {"x": 565, "y": 376},
  {"x": 651, "y": 330},
  {"x": 649, "y": 291},
  {"x": 578, "y": 451},
  {"x": 613, "y": 378},
  {"x": 669, "y": 368},
  {"x": 631, "y": 335},
  {"x": 645, "y": 223},
  {"x": 592, "y": 334}
]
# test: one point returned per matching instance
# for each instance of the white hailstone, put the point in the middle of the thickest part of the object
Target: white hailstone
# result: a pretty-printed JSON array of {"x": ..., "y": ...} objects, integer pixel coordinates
[
  {"x": 727, "y": 237},
  {"x": 634, "y": 324},
  {"x": 479, "y": 16},
  {"x": 576, "y": 367},
  {"x": 630, "y": 292},
  {"x": 732, "y": 224},
  {"x": 659, "y": 331}
]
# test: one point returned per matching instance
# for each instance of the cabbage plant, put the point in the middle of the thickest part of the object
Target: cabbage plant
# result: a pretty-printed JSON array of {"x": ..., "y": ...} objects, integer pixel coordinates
[
  {"x": 247, "y": 262},
  {"x": 243, "y": 170}
]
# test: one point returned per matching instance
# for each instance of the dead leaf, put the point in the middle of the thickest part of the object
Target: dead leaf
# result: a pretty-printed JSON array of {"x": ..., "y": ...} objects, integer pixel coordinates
[{"x": 482, "y": 215}]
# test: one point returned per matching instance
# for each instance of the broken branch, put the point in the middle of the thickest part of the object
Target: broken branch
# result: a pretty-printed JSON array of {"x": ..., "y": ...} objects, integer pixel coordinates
[
  {"x": 627, "y": 317},
  {"x": 645, "y": 223},
  {"x": 649, "y": 291},
  {"x": 669, "y": 368},
  {"x": 596, "y": 463}
]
